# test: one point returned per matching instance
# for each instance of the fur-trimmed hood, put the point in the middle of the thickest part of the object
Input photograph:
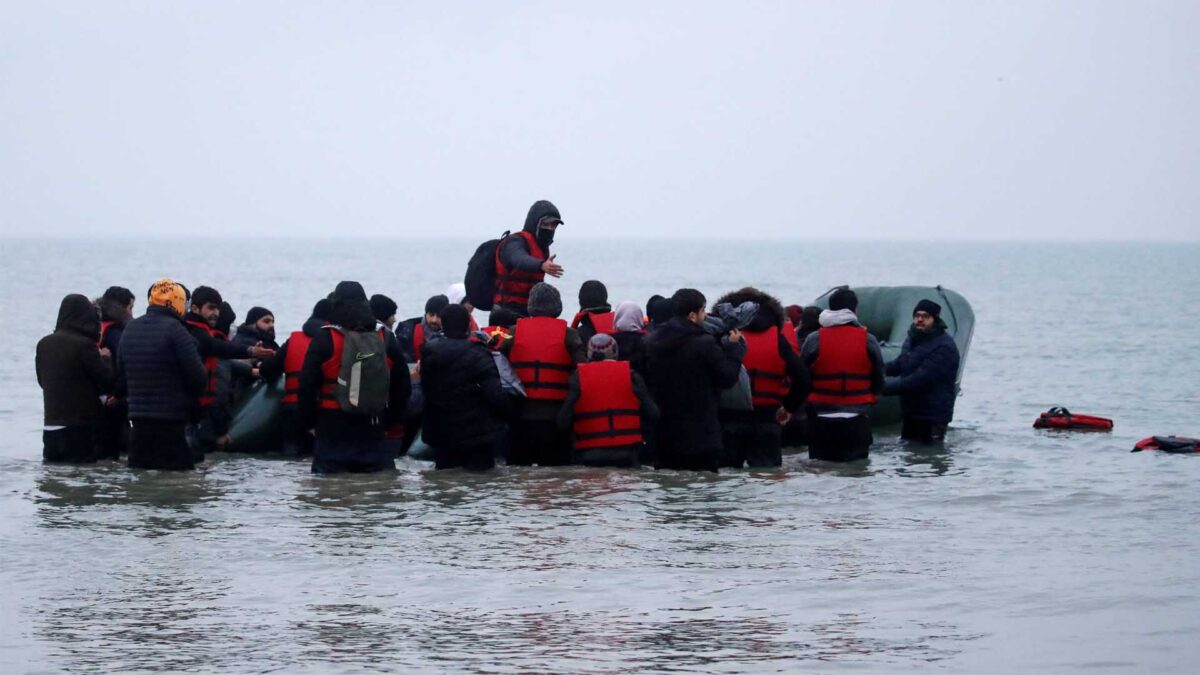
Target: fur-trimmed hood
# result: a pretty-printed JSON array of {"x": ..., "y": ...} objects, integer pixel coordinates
[{"x": 770, "y": 309}]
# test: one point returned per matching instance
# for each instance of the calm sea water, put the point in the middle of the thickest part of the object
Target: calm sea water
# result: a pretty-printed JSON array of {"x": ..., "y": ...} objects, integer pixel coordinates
[{"x": 1009, "y": 550}]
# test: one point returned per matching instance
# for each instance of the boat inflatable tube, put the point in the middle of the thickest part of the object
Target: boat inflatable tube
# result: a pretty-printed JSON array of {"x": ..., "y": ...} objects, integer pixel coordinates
[
  {"x": 256, "y": 420},
  {"x": 1061, "y": 418},
  {"x": 1173, "y": 444},
  {"x": 887, "y": 311}
]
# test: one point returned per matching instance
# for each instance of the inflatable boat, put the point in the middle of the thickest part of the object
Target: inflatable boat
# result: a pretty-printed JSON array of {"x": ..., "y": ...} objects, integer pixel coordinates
[{"x": 886, "y": 311}]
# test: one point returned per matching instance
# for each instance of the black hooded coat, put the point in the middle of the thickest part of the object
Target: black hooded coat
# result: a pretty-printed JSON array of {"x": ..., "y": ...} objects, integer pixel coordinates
[
  {"x": 686, "y": 368},
  {"x": 514, "y": 252},
  {"x": 70, "y": 370},
  {"x": 350, "y": 312}
]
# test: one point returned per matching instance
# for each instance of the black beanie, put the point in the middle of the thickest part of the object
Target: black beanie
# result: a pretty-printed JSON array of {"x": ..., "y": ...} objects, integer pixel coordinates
[
  {"x": 347, "y": 291},
  {"x": 435, "y": 304},
  {"x": 382, "y": 307},
  {"x": 929, "y": 306},
  {"x": 592, "y": 294},
  {"x": 255, "y": 314},
  {"x": 544, "y": 300},
  {"x": 455, "y": 321}
]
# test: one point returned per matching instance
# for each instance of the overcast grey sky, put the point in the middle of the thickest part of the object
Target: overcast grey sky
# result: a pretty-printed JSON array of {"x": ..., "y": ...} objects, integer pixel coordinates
[{"x": 912, "y": 120}]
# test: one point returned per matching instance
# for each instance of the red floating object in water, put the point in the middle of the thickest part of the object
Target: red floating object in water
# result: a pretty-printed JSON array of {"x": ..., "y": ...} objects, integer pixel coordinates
[
  {"x": 1061, "y": 418},
  {"x": 1179, "y": 444}
]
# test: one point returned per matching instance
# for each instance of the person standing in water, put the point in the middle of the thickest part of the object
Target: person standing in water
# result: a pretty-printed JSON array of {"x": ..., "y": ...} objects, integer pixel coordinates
[{"x": 924, "y": 376}]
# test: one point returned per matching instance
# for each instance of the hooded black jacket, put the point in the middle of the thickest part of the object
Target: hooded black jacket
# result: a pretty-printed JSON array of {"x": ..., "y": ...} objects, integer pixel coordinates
[
  {"x": 686, "y": 368},
  {"x": 70, "y": 370},
  {"x": 159, "y": 369},
  {"x": 350, "y": 313},
  {"x": 464, "y": 402},
  {"x": 514, "y": 252}
]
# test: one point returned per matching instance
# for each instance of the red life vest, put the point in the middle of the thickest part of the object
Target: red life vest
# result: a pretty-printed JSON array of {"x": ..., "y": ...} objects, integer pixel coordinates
[
  {"x": 789, "y": 334},
  {"x": 512, "y": 286},
  {"x": 608, "y": 413},
  {"x": 104, "y": 326},
  {"x": 539, "y": 358},
  {"x": 768, "y": 373},
  {"x": 293, "y": 363},
  {"x": 842, "y": 372},
  {"x": 332, "y": 367},
  {"x": 492, "y": 332},
  {"x": 418, "y": 339},
  {"x": 210, "y": 364},
  {"x": 602, "y": 322}
]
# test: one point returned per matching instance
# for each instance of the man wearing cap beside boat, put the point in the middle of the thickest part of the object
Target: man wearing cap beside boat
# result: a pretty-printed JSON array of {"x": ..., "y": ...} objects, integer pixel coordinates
[{"x": 924, "y": 376}]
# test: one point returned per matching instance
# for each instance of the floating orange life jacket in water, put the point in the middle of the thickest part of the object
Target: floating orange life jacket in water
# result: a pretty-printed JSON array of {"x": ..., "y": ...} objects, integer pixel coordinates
[
  {"x": 1180, "y": 444},
  {"x": 1061, "y": 418}
]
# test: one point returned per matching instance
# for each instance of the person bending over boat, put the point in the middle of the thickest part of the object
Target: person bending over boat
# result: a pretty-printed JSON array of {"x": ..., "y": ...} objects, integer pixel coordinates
[
  {"x": 924, "y": 376},
  {"x": 354, "y": 383},
  {"x": 543, "y": 352},
  {"x": 523, "y": 259},
  {"x": 607, "y": 408},
  {"x": 847, "y": 376},
  {"x": 465, "y": 404},
  {"x": 686, "y": 369}
]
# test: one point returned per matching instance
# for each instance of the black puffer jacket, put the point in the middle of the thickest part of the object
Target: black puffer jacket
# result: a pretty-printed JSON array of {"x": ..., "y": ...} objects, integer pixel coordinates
[
  {"x": 158, "y": 368},
  {"x": 686, "y": 368},
  {"x": 464, "y": 403},
  {"x": 923, "y": 375},
  {"x": 69, "y": 367}
]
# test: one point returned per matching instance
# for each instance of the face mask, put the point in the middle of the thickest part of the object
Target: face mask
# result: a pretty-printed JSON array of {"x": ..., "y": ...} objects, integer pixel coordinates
[{"x": 545, "y": 236}]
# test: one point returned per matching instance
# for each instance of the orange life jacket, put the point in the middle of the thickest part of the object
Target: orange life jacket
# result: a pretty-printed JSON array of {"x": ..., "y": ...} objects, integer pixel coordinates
[
  {"x": 602, "y": 322},
  {"x": 842, "y": 372},
  {"x": 418, "y": 339},
  {"x": 539, "y": 358},
  {"x": 104, "y": 326},
  {"x": 512, "y": 285},
  {"x": 210, "y": 365},
  {"x": 768, "y": 373},
  {"x": 332, "y": 367},
  {"x": 293, "y": 363},
  {"x": 492, "y": 332},
  {"x": 608, "y": 413}
]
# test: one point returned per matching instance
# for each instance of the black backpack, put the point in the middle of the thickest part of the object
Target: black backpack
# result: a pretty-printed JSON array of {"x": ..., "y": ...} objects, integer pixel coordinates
[{"x": 481, "y": 274}]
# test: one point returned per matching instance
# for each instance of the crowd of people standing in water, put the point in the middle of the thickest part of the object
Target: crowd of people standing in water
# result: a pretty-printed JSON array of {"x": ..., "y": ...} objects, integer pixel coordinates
[{"x": 675, "y": 386}]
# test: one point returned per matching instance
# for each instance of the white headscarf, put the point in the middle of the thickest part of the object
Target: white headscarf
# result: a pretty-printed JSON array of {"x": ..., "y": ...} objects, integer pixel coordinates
[
  {"x": 628, "y": 317},
  {"x": 455, "y": 293}
]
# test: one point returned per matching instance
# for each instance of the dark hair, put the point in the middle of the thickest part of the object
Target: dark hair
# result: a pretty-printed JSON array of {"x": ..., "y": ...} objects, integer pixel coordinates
[
  {"x": 688, "y": 300},
  {"x": 226, "y": 318},
  {"x": 504, "y": 318},
  {"x": 118, "y": 294},
  {"x": 843, "y": 298},
  {"x": 455, "y": 320},
  {"x": 204, "y": 295},
  {"x": 382, "y": 306},
  {"x": 435, "y": 304}
]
